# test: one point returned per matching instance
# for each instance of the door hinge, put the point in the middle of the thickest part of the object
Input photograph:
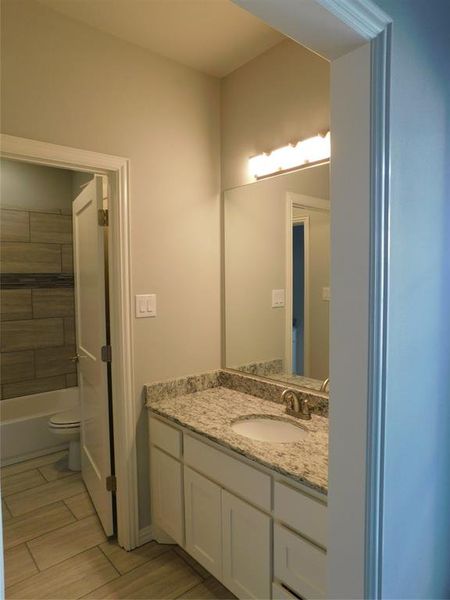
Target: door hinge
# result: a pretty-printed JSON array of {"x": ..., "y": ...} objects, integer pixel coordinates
[
  {"x": 103, "y": 217},
  {"x": 111, "y": 484},
  {"x": 106, "y": 354}
]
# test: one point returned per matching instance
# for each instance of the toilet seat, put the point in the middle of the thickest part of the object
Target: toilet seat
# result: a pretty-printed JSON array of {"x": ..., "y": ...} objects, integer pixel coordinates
[
  {"x": 69, "y": 419},
  {"x": 66, "y": 427}
]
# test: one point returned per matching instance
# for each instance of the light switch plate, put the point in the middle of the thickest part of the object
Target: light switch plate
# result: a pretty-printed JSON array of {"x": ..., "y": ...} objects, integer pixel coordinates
[
  {"x": 277, "y": 298},
  {"x": 326, "y": 294},
  {"x": 145, "y": 305}
]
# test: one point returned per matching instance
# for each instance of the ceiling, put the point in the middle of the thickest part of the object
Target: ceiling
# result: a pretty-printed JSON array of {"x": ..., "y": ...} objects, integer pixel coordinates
[{"x": 212, "y": 36}]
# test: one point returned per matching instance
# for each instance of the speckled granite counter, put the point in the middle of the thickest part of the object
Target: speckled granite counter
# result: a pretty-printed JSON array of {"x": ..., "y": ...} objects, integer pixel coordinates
[
  {"x": 297, "y": 380},
  {"x": 273, "y": 369},
  {"x": 211, "y": 411}
]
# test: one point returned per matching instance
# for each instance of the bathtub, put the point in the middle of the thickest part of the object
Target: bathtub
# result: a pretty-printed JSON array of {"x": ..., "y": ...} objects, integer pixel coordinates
[{"x": 24, "y": 424}]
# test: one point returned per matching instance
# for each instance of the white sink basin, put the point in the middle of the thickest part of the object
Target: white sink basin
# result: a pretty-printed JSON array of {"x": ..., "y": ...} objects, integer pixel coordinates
[{"x": 267, "y": 429}]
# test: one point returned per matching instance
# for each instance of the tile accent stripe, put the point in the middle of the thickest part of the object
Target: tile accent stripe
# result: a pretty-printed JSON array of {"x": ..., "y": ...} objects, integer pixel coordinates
[{"x": 17, "y": 281}]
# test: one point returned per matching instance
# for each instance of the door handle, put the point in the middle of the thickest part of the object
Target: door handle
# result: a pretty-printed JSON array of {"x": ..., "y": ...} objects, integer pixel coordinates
[{"x": 77, "y": 358}]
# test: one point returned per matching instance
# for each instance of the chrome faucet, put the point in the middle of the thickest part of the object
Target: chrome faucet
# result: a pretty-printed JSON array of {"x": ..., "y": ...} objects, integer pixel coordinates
[
  {"x": 296, "y": 407},
  {"x": 325, "y": 385}
]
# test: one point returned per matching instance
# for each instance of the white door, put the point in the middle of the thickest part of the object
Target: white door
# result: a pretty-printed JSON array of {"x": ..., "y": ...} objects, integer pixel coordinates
[
  {"x": 90, "y": 307},
  {"x": 246, "y": 548},
  {"x": 203, "y": 521}
]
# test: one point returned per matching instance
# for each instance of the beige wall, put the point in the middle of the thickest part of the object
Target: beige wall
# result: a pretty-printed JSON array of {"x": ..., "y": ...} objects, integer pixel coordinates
[
  {"x": 279, "y": 97},
  {"x": 254, "y": 260},
  {"x": 79, "y": 180},
  {"x": 115, "y": 98},
  {"x": 255, "y": 253},
  {"x": 35, "y": 187}
]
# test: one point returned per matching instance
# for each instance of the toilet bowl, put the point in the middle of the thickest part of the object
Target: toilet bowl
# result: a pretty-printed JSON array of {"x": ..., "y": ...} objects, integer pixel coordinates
[{"x": 66, "y": 425}]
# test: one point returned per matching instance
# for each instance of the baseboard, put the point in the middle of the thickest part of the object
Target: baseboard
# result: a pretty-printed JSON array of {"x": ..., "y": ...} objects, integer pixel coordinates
[
  {"x": 154, "y": 533},
  {"x": 145, "y": 535},
  {"x": 30, "y": 455}
]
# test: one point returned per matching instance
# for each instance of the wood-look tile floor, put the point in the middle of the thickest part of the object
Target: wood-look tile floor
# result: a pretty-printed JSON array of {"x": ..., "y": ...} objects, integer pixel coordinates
[{"x": 55, "y": 547}]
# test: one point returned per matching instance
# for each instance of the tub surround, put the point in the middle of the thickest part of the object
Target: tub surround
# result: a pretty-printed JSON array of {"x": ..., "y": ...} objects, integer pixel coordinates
[
  {"x": 37, "y": 302},
  {"x": 208, "y": 404}
]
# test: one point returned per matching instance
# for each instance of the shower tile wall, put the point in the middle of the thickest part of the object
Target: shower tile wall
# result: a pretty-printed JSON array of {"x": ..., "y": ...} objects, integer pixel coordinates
[{"x": 37, "y": 310}]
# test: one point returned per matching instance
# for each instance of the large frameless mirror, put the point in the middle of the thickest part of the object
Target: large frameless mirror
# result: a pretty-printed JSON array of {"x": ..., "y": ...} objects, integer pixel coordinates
[{"x": 277, "y": 277}]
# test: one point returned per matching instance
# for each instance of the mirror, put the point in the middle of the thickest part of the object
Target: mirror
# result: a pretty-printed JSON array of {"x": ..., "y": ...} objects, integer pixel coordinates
[{"x": 277, "y": 277}]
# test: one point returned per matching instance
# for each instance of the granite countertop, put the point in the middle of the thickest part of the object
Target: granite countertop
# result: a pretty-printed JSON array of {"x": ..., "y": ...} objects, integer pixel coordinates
[
  {"x": 297, "y": 380},
  {"x": 210, "y": 412}
]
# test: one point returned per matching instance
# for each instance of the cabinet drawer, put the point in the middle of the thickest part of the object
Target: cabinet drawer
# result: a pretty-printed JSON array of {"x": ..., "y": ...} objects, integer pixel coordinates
[
  {"x": 165, "y": 437},
  {"x": 301, "y": 512},
  {"x": 299, "y": 564},
  {"x": 229, "y": 472}
]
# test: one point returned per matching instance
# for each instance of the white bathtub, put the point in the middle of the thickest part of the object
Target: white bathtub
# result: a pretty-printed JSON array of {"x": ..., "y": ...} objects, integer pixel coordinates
[{"x": 24, "y": 424}]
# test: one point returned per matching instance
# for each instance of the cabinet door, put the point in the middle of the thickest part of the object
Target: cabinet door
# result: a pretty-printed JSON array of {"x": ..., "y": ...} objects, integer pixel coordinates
[
  {"x": 203, "y": 521},
  {"x": 246, "y": 548},
  {"x": 279, "y": 592},
  {"x": 300, "y": 565},
  {"x": 166, "y": 478}
]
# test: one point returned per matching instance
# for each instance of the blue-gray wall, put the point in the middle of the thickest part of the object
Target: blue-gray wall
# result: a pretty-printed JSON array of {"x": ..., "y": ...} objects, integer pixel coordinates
[
  {"x": 298, "y": 288},
  {"x": 416, "y": 545}
]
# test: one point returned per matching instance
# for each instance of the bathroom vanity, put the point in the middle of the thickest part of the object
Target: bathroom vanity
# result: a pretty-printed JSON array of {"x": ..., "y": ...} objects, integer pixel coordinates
[{"x": 252, "y": 512}]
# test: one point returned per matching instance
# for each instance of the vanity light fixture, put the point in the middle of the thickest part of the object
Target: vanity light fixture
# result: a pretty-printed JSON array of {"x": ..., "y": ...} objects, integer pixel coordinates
[{"x": 292, "y": 156}]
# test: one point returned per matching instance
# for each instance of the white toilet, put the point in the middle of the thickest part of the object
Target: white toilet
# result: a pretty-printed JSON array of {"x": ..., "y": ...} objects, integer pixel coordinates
[{"x": 66, "y": 425}]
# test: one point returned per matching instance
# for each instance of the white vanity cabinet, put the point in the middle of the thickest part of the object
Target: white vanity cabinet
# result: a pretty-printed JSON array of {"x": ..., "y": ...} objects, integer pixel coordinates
[
  {"x": 299, "y": 564},
  {"x": 166, "y": 477},
  {"x": 249, "y": 527},
  {"x": 203, "y": 521},
  {"x": 246, "y": 543},
  {"x": 167, "y": 494},
  {"x": 228, "y": 536}
]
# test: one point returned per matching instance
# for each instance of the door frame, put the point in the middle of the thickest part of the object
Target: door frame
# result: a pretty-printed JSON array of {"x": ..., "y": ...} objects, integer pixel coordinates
[
  {"x": 339, "y": 30},
  {"x": 124, "y": 413},
  {"x": 290, "y": 287}
]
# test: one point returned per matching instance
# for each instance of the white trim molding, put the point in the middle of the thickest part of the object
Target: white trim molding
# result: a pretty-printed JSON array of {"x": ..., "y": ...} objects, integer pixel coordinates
[
  {"x": 378, "y": 308},
  {"x": 124, "y": 413},
  {"x": 363, "y": 16},
  {"x": 335, "y": 29},
  {"x": 75, "y": 159},
  {"x": 145, "y": 535}
]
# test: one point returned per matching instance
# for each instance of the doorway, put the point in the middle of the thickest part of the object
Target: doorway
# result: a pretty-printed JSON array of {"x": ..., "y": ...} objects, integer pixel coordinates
[
  {"x": 115, "y": 169},
  {"x": 307, "y": 286},
  {"x": 299, "y": 294},
  {"x": 56, "y": 374}
]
